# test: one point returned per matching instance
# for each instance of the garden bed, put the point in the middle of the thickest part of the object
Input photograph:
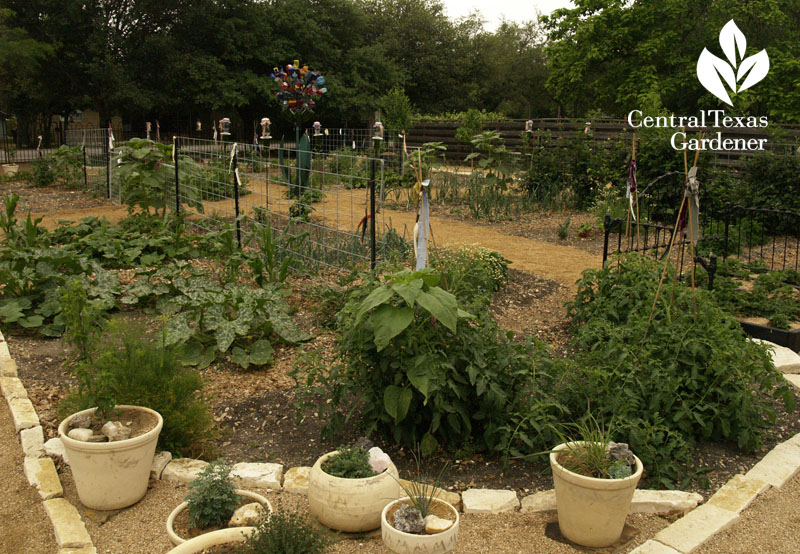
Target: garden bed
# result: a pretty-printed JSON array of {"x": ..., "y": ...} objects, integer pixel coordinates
[{"x": 256, "y": 409}]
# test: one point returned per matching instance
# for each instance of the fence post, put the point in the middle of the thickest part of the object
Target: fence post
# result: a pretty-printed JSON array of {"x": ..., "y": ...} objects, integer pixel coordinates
[
  {"x": 606, "y": 231},
  {"x": 728, "y": 211},
  {"x": 85, "y": 174},
  {"x": 372, "y": 238},
  {"x": 177, "y": 179},
  {"x": 236, "y": 194},
  {"x": 108, "y": 164}
]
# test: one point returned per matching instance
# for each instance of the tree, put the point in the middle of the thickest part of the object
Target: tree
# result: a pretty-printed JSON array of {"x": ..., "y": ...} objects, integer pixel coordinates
[{"x": 610, "y": 54}]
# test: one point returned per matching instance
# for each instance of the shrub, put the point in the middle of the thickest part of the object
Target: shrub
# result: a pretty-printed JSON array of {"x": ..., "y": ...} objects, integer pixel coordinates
[
  {"x": 285, "y": 532},
  {"x": 212, "y": 497},
  {"x": 142, "y": 371},
  {"x": 67, "y": 164},
  {"x": 424, "y": 370},
  {"x": 351, "y": 462},
  {"x": 688, "y": 374},
  {"x": 471, "y": 273},
  {"x": 42, "y": 173}
]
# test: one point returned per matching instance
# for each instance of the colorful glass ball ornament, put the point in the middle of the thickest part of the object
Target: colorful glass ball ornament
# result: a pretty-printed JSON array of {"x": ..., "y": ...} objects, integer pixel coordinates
[{"x": 298, "y": 87}]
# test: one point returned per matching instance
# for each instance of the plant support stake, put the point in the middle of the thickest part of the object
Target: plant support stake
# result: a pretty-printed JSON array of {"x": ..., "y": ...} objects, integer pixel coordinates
[
  {"x": 372, "y": 237},
  {"x": 177, "y": 179},
  {"x": 85, "y": 175},
  {"x": 235, "y": 168}
]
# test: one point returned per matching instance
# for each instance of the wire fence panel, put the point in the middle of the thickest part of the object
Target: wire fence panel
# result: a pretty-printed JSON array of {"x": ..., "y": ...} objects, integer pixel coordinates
[
  {"x": 99, "y": 171},
  {"x": 319, "y": 207}
]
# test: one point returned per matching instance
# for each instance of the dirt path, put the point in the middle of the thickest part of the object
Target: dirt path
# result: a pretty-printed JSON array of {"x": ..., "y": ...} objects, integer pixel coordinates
[
  {"x": 24, "y": 526},
  {"x": 343, "y": 208}
]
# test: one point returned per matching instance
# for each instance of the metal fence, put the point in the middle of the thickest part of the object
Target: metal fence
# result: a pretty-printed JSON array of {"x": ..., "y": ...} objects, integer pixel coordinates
[
  {"x": 326, "y": 213},
  {"x": 97, "y": 161},
  {"x": 752, "y": 235}
]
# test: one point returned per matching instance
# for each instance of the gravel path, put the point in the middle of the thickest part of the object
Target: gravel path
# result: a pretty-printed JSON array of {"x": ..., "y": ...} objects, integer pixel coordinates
[
  {"x": 770, "y": 525},
  {"x": 24, "y": 527}
]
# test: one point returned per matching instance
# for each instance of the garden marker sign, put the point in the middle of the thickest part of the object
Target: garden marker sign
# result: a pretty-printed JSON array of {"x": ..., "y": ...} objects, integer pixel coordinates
[{"x": 748, "y": 71}]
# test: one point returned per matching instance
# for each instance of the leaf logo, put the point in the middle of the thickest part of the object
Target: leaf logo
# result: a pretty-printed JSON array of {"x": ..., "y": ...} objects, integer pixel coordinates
[{"x": 712, "y": 71}]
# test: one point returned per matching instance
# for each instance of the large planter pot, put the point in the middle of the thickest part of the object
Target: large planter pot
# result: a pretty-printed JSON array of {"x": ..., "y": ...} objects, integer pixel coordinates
[
  {"x": 591, "y": 512},
  {"x": 350, "y": 505},
  {"x": 111, "y": 475},
  {"x": 177, "y": 539},
  {"x": 409, "y": 543},
  {"x": 10, "y": 169},
  {"x": 214, "y": 538}
]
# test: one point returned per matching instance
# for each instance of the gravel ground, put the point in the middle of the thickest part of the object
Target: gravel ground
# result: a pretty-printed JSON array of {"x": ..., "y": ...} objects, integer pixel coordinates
[
  {"x": 771, "y": 524},
  {"x": 24, "y": 527},
  {"x": 140, "y": 529}
]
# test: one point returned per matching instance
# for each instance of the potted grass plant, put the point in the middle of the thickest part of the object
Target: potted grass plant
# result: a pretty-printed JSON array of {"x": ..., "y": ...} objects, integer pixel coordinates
[
  {"x": 420, "y": 522},
  {"x": 347, "y": 492},
  {"x": 594, "y": 480}
]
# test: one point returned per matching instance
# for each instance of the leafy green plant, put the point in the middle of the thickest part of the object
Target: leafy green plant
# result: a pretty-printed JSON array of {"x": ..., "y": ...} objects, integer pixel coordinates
[
  {"x": 472, "y": 273},
  {"x": 686, "y": 374},
  {"x": 285, "y": 532},
  {"x": 422, "y": 369},
  {"x": 43, "y": 175},
  {"x": 147, "y": 181},
  {"x": 212, "y": 497},
  {"x": 350, "y": 462},
  {"x": 494, "y": 158},
  {"x": 396, "y": 109},
  {"x": 67, "y": 165},
  {"x": 140, "y": 370},
  {"x": 563, "y": 229},
  {"x": 84, "y": 322}
]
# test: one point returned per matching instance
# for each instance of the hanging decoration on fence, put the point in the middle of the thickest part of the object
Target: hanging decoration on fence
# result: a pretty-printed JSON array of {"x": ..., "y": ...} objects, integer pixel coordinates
[
  {"x": 233, "y": 166},
  {"x": 692, "y": 194},
  {"x": 39, "y": 147},
  {"x": 299, "y": 88},
  {"x": 214, "y": 124},
  {"x": 110, "y": 137}
]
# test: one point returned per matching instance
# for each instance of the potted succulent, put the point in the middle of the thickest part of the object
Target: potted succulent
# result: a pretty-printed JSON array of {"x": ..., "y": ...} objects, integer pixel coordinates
[
  {"x": 348, "y": 488},
  {"x": 420, "y": 523},
  {"x": 594, "y": 481},
  {"x": 212, "y": 503},
  {"x": 110, "y": 447}
]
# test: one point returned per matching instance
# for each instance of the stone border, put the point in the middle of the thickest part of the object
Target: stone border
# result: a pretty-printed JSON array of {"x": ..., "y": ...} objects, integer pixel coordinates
[
  {"x": 70, "y": 531},
  {"x": 696, "y": 527}
]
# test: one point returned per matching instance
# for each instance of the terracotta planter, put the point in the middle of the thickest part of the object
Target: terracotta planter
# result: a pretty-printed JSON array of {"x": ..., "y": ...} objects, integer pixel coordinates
[
  {"x": 409, "y": 543},
  {"x": 214, "y": 538},
  {"x": 177, "y": 539},
  {"x": 591, "y": 512},
  {"x": 350, "y": 505},
  {"x": 111, "y": 475}
]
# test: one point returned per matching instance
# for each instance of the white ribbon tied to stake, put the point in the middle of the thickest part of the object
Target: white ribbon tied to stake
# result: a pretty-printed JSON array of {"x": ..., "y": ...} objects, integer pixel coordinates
[
  {"x": 422, "y": 229},
  {"x": 693, "y": 196}
]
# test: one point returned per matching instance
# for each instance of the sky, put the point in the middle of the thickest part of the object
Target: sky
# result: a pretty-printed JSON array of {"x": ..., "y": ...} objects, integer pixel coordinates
[{"x": 494, "y": 10}]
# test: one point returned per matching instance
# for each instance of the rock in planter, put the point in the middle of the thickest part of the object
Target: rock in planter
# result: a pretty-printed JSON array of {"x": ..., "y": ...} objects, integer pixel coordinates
[
  {"x": 435, "y": 524},
  {"x": 116, "y": 431},
  {"x": 247, "y": 516},
  {"x": 84, "y": 435},
  {"x": 408, "y": 520},
  {"x": 112, "y": 475}
]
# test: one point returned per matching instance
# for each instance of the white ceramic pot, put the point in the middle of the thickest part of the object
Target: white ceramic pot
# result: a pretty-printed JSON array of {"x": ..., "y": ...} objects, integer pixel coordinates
[
  {"x": 177, "y": 539},
  {"x": 10, "y": 169},
  {"x": 351, "y": 505},
  {"x": 214, "y": 538},
  {"x": 111, "y": 475},
  {"x": 409, "y": 543},
  {"x": 592, "y": 512}
]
